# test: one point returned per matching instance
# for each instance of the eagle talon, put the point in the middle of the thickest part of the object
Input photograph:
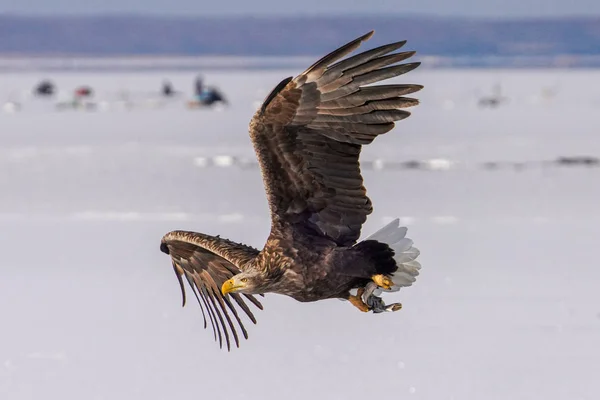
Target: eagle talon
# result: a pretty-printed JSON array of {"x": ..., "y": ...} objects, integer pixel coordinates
[
  {"x": 357, "y": 301},
  {"x": 383, "y": 281}
]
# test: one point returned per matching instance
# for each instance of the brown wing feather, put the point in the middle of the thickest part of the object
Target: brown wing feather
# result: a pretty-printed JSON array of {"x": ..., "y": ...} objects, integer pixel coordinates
[
  {"x": 207, "y": 262},
  {"x": 308, "y": 137}
]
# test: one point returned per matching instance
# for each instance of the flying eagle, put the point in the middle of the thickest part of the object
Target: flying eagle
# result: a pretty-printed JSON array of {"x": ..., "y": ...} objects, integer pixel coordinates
[{"x": 307, "y": 136}]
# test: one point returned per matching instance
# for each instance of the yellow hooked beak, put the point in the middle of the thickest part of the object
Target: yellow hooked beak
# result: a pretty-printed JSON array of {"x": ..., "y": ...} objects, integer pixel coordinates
[{"x": 229, "y": 286}]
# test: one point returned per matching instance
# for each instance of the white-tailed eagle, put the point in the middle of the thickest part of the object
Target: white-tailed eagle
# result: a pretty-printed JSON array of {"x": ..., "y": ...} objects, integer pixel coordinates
[{"x": 308, "y": 135}]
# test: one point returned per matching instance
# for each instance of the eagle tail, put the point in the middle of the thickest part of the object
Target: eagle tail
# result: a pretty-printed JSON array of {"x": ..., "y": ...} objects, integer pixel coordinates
[{"x": 404, "y": 268}]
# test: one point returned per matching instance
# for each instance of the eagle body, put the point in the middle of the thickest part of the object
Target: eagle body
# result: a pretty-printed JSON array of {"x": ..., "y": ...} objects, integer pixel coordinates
[
  {"x": 320, "y": 272},
  {"x": 307, "y": 137}
]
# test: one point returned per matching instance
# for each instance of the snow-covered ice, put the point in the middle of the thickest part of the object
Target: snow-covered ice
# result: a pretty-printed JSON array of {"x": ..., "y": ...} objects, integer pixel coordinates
[{"x": 507, "y": 305}]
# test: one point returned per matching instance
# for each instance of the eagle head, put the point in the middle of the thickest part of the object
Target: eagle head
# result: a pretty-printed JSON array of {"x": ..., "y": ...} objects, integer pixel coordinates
[{"x": 249, "y": 282}]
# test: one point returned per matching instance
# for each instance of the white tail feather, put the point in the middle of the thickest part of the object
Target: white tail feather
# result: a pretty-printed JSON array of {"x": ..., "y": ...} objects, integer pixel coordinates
[
  {"x": 402, "y": 245},
  {"x": 385, "y": 232},
  {"x": 405, "y": 254}
]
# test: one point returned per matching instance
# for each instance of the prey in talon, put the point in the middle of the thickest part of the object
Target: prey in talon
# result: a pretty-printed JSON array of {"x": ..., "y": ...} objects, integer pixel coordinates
[{"x": 376, "y": 303}]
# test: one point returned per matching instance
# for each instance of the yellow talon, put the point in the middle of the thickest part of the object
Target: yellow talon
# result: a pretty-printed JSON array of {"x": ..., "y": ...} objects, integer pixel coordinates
[{"x": 383, "y": 281}]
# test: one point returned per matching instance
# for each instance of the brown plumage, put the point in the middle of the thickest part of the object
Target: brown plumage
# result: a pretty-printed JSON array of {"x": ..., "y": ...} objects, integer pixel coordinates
[{"x": 307, "y": 136}]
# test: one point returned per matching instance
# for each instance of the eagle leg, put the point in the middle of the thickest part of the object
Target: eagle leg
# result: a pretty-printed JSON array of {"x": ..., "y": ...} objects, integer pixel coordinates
[
  {"x": 357, "y": 301},
  {"x": 383, "y": 281}
]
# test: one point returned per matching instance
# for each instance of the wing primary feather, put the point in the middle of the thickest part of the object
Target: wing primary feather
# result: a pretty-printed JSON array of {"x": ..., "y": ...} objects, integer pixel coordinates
[
  {"x": 201, "y": 299},
  {"x": 387, "y": 104},
  {"x": 180, "y": 280},
  {"x": 244, "y": 307},
  {"x": 193, "y": 286},
  {"x": 368, "y": 93},
  {"x": 254, "y": 301},
  {"x": 274, "y": 93},
  {"x": 228, "y": 318},
  {"x": 222, "y": 323},
  {"x": 361, "y": 69},
  {"x": 204, "y": 294},
  {"x": 337, "y": 54},
  {"x": 335, "y": 71},
  {"x": 370, "y": 118},
  {"x": 231, "y": 326},
  {"x": 237, "y": 317},
  {"x": 379, "y": 62},
  {"x": 223, "y": 302},
  {"x": 365, "y": 79},
  {"x": 384, "y": 73},
  {"x": 217, "y": 294},
  {"x": 353, "y": 133}
]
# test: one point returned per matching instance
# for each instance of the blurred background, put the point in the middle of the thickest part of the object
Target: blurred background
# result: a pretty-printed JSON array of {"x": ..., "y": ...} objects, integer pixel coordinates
[{"x": 123, "y": 120}]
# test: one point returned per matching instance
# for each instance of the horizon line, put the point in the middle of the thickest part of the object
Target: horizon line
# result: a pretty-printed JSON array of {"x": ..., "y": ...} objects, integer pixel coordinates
[{"x": 307, "y": 14}]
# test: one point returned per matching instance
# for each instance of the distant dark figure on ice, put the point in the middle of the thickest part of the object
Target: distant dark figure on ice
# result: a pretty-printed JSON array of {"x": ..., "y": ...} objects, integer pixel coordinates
[
  {"x": 167, "y": 89},
  {"x": 206, "y": 95},
  {"x": 44, "y": 89},
  {"x": 494, "y": 100}
]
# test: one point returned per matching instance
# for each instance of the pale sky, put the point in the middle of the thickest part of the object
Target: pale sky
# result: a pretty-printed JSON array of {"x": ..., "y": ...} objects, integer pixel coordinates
[{"x": 486, "y": 8}]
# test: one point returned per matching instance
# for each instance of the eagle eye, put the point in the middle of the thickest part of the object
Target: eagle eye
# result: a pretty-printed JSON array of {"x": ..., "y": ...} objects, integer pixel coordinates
[{"x": 244, "y": 280}]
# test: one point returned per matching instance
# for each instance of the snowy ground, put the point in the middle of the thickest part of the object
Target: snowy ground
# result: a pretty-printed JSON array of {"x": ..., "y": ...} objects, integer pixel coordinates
[{"x": 507, "y": 305}]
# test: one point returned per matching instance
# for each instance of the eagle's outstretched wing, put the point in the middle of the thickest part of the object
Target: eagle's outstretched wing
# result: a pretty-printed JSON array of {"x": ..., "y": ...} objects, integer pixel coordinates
[
  {"x": 207, "y": 262},
  {"x": 309, "y": 132}
]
